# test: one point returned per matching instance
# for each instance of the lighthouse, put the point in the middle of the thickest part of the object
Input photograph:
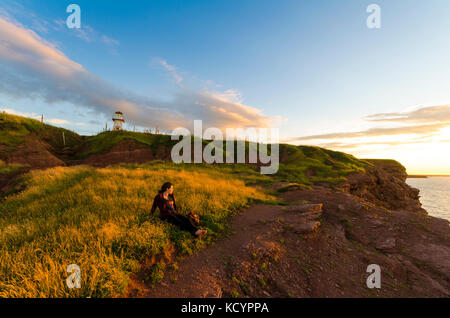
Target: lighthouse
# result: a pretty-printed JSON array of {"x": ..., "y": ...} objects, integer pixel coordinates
[{"x": 118, "y": 121}]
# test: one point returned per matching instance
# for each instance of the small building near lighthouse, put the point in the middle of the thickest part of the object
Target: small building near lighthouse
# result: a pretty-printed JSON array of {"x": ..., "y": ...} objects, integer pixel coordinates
[{"x": 118, "y": 121}]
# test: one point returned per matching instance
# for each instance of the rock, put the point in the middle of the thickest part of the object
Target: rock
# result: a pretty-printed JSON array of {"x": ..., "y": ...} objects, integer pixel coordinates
[
  {"x": 307, "y": 212},
  {"x": 386, "y": 244},
  {"x": 263, "y": 249},
  {"x": 304, "y": 208},
  {"x": 340, "y": 232},
  {"x": 435, "y": 255},
  {"x": 311, "y": 216},
  {"x": 377, "y": 223},
  {"x": 307, "y": 227},
  {"x": 384, "y": 184}
]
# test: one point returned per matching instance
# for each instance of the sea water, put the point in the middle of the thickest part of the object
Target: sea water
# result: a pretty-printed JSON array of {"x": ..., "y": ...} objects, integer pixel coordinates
[{"x": 434, "y": 195}]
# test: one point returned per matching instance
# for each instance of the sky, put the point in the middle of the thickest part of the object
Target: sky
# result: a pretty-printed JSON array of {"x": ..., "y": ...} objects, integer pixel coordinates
[{"x": 313, "y": 69}]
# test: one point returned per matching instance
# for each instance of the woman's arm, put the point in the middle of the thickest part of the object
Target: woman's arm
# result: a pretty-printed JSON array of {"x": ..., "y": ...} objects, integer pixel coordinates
[{"x": 155, "y": 204}]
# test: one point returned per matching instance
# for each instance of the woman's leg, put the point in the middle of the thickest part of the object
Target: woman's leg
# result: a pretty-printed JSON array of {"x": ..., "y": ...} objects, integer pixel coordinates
[
  {"x": 186, "y": 224},
  {"x": 183, "y": 222}
]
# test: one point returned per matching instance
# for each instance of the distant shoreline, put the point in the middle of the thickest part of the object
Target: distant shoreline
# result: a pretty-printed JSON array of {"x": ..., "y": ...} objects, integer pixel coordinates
[{"x": 426, "y": 176}]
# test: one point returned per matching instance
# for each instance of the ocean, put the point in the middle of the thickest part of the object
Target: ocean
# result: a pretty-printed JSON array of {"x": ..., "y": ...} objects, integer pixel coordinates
[{"x": 434, "y": 195}]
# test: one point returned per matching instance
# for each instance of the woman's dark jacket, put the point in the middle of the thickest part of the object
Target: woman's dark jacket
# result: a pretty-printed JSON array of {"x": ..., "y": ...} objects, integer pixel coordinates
[{"x": 164, "y": 207}]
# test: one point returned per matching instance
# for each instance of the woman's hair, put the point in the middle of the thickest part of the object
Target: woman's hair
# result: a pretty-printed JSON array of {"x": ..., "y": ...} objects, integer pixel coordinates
[{"x": 165, "y": 186}]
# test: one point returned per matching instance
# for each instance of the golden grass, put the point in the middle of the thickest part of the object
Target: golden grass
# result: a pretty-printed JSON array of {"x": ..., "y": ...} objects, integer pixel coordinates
[{"x": 100, "y": 220}]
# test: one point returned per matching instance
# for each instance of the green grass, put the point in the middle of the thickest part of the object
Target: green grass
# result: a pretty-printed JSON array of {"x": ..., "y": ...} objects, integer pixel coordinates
[
  {"x": 104, "y": 141},
  {"x": 99, "y": 219},
  {"x": 390, "y": 165},
  {"x": 14, "y": 129},
  {"x": 325, "y": 168},
  {"x": 307, "y": 164},
  {"x": 301, "y": 165},
  {"x": 156, "y": 273}
]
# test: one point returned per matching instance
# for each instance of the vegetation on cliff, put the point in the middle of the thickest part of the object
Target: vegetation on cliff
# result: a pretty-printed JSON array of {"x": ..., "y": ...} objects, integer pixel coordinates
[{"x": 99, "y": 218}]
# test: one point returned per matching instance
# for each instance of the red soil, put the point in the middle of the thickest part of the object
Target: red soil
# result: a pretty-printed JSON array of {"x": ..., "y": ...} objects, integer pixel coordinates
[
  {"x": 36, "y": 153},
  {"x": 267, "y": 257},
  {"x": 125, "y": 152}
]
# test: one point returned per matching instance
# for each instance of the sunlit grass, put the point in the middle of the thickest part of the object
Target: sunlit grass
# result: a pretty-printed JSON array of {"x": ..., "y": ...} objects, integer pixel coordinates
[{"x": 100, "y": 220}]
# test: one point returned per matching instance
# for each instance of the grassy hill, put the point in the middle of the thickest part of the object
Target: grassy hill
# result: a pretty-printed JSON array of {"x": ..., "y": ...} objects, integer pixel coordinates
[
  {"x": 298, "y": 164},
  {"x": 104, "y": 141},
  {"x": 99, "y": 218},
  {"x": 14, "y": 129}
]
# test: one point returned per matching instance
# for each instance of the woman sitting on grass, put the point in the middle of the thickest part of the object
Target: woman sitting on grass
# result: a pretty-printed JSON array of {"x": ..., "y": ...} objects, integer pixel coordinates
[{"x": 165, "y": 201}]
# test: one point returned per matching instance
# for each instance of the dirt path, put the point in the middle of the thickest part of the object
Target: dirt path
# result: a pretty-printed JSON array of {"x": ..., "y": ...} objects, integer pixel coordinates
[
  {"x": 203, "y": 275},
  {"x": 270, "y": 255}
]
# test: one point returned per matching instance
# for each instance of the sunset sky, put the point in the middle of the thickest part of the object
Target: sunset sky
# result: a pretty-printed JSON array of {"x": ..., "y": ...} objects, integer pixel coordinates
[{"x": 312, "y": 68}]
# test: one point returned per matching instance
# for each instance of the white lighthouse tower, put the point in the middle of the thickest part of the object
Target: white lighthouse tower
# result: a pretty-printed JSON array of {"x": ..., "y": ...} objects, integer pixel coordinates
[{"x": 118, "y": 121}]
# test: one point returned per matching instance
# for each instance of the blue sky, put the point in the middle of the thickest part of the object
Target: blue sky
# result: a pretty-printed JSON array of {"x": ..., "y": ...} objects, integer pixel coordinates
[{"x": 312, "y": 68}]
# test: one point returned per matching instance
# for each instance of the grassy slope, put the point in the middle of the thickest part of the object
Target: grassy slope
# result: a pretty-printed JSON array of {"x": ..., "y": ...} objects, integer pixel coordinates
[
  {"x": 106, "y": 140},
  {"x": 324, "y": 165},
  {"x": 389, "y": 165},
  {"x": 14, "y": 129},
  {"x": 98, "y": 218}
]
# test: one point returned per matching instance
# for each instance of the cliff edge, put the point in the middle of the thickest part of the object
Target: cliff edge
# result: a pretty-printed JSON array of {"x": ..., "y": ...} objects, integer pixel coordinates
[{"x": 320, "y": 245}]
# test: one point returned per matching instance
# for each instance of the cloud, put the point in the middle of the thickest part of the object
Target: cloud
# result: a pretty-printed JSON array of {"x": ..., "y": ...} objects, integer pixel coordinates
[
  {"x": 377, "y": 132},
  {"x": 85, "y": 33},
  {"x": 233, "y": 95},
  {"x": 436, "y": 114},
  {"x": 177, "y": 78},
  {"x": 216, "y": 108},
  {"x": 109, "y": 41},
  {"x": 421, "y": 126},
  {"x": 31, "y": 67},
  {"x": 355, "y": 145},
  {"x": 10, "y": 8}
]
